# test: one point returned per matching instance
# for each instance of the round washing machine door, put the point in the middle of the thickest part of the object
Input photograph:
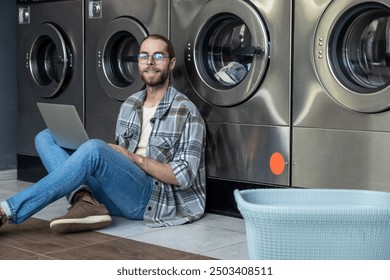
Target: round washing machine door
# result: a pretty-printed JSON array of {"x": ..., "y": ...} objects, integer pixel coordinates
[
  {"x": 117, "y": 65},
  {"x": 49, "y": 61},
  {"x": 227, "y": 53},
  {"x": 352, "y": 54}
]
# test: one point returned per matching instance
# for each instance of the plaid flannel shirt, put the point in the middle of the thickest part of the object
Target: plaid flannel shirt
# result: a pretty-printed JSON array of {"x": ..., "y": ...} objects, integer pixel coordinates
[{"x": 178, "y": 137}]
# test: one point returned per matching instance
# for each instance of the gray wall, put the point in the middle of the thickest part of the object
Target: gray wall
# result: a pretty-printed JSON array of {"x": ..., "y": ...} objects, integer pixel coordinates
[{"x": 8, "y": 85}]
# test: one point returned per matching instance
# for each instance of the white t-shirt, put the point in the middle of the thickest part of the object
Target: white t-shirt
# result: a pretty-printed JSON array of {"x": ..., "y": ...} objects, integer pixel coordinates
[{"x": 147, "y": 115}]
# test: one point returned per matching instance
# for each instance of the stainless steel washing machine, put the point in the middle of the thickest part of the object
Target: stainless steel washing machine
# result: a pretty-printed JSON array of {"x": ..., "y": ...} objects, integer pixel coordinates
[
  {"x": 50, "y": 64},
  {"x": 233, "y": 62},
  {"x": 341, "y": 94},
  {"x": 114, "y": 30}
]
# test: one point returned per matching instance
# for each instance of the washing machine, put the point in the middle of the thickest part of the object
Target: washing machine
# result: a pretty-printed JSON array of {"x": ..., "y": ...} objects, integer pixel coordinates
[
  {"x": 233, "y": 62},
  {"x": 50, "y": 67},
  {"x": 114, "y": 30},
  {"x": 341, "y": 94}
]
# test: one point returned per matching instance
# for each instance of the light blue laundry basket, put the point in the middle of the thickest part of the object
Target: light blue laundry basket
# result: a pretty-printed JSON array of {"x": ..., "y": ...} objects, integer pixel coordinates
[{"x": 316, "y": 224}]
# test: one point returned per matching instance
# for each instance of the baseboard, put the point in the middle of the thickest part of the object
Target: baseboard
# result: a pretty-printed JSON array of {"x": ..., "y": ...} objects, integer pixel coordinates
[
  {"x": 220, "y": 199},
  {"x": 30, "y": 168}
]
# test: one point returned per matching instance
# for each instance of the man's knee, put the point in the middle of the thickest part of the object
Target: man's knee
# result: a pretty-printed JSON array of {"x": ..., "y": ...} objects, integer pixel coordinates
[
  {"x": 43, "y": 136},
  {"x": 94, "y": 145}
]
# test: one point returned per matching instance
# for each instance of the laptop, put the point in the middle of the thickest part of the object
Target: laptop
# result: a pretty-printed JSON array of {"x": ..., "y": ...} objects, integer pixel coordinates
[{"x": 64, "y": 124}]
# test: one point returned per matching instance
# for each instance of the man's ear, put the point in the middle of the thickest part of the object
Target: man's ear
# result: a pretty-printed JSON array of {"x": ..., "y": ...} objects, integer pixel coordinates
[{"x": 172, "y": 63}]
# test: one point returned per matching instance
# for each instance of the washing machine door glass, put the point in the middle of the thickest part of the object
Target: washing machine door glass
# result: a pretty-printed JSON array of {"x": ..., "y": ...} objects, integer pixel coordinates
[
  {"x": 117, "y": 66},
  {"x": 228, "y": 52},
  {"x": 49, "y": 61},
  {"x": 358, "y": 55}
]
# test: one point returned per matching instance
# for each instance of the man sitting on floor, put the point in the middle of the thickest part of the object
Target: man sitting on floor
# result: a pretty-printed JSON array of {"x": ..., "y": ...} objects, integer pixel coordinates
[{"x": 155, "y": 172}]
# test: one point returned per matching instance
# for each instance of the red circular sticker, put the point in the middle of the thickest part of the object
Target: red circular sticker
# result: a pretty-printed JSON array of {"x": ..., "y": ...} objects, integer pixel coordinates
[{"x": 277, "y": 163}]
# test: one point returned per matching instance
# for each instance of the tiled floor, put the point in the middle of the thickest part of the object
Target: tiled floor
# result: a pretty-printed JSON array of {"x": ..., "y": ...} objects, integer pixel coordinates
[
  {"x": 213, "y": 236},
  {"x": 33, "y": 240}
]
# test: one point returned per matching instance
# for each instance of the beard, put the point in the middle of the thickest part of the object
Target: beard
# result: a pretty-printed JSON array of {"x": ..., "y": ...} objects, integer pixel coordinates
[{"x": 158, "y": 78}]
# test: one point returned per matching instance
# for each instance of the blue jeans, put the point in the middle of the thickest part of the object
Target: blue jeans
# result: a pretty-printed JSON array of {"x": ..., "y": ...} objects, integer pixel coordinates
[{"x": 114, "y": 180}]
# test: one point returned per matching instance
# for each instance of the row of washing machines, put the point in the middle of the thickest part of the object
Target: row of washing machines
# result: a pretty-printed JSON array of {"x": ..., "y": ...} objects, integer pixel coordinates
[{"x": 294, "y": 93}]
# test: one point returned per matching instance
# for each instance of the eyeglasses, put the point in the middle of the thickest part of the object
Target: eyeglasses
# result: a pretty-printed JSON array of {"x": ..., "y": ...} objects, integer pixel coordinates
[{"x": 157, "y": 58}]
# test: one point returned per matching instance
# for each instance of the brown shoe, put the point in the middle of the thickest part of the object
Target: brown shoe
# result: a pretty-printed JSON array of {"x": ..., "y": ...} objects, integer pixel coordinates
[
  {"x": 85, "y": 214},
  {"x": 3, "y": 218}
]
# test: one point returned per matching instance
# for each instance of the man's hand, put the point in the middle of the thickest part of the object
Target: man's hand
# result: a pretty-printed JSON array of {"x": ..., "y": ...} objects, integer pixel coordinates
[
  {"x": 124, "y": 152},
  {"x": 159, "y": 170}
]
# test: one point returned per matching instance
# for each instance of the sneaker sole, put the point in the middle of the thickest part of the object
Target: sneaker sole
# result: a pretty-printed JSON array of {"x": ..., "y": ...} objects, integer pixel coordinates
[{"x": 83, "y": 224}]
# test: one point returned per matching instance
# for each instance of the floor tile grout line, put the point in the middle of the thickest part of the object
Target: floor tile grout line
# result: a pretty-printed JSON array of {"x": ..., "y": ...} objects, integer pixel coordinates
[
  {"x": 224, "y": 229},
  {"x": 49, "y": 254},
  {"x": 223, "y": 247},
  {"x": 80, "y": 246},
  {"x": 25, "y": 250}
]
